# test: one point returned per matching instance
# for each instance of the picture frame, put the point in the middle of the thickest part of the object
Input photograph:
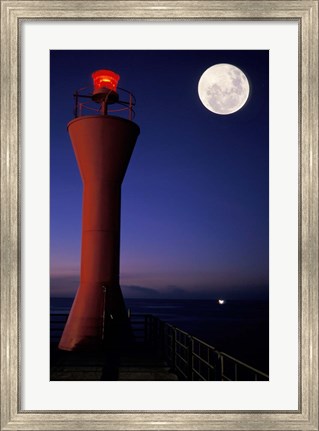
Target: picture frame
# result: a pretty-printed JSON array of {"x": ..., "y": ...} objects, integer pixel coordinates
[{"x": 12, "y": 14}]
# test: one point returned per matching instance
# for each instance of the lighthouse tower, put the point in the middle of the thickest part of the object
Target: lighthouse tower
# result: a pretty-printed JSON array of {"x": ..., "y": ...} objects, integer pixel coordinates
[{"x": 103, "y": 145}]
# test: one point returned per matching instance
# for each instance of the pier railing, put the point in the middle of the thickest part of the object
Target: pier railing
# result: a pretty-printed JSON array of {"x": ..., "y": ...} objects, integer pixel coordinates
[{"x": 188, "y": 356}]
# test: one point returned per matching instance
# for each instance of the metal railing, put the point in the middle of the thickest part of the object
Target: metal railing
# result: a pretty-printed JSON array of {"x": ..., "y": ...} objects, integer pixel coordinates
[
  {"x": 88, "y": 106},
  {"x": 188, "y": 356}
]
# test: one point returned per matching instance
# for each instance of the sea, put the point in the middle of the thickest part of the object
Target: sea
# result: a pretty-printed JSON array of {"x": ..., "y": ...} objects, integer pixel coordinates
[{"x": 239, "y": 328}]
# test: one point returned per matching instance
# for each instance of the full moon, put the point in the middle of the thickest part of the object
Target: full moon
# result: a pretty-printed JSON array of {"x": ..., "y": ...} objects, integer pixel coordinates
[{"x": 223, "y": 89}]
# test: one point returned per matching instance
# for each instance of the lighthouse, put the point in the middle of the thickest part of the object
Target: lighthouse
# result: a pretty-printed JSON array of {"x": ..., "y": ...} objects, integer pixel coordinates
[{"x": 103, "y": 144}]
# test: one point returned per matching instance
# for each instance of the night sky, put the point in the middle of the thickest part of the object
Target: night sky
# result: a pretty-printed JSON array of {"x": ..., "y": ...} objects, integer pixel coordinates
[{"x": 195, "y": 198}]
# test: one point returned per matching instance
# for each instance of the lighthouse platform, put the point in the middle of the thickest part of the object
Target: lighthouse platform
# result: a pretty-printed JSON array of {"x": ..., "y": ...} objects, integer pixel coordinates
[
  {"x": 158, "y": 351},
  {"x": 140, "y": 364}
]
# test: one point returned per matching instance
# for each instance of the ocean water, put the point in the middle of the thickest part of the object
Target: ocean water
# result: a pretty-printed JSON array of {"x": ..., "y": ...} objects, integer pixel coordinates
[{"x": 238, "y": 328}]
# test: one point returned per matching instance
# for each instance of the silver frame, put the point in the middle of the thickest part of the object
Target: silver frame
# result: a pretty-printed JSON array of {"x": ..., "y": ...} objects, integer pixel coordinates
[{"x": 306, "y": 14}]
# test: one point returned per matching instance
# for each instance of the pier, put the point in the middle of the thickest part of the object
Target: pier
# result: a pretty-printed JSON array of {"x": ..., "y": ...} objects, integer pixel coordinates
[{"x": 158, "y": 351}]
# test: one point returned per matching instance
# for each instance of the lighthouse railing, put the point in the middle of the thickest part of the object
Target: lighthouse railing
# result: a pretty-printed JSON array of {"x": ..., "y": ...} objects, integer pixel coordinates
[{"x": 84, "y": 105}]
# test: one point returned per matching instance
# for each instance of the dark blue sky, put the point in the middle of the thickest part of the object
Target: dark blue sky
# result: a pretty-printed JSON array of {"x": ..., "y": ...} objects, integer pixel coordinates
[{"x": 195, "y": 196}]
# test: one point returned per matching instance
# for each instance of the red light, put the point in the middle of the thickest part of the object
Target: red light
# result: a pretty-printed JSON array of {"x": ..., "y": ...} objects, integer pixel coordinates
[{"x": 105, "y": 79}]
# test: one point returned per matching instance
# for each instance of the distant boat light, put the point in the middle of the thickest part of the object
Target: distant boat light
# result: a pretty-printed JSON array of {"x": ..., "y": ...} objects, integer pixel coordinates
[{"x": 221, "y": 301}]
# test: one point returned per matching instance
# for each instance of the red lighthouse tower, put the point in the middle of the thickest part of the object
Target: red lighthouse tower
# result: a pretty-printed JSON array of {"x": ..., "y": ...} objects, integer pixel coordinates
[{"x": 103, "y": 145}]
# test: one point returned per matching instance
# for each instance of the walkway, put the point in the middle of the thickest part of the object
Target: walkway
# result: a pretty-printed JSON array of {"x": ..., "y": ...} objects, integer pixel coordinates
[{"x": 138, "y": 364}]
